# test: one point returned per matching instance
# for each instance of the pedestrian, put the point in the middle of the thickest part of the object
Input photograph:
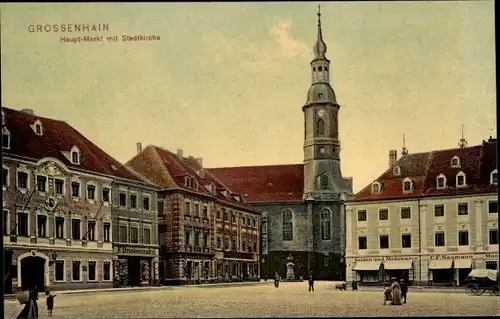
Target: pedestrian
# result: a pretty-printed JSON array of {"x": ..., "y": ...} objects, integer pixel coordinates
[
  {"x": 276, "y": 280},
  {"x": 404, "y": 290},
  {"x": 396, "y": 292},
  {"x": 354, "y": 285},
  {"x": 311, "y": 283},
  {"x": 30, "y": 310},
  {"x": 50, "y": 301}
]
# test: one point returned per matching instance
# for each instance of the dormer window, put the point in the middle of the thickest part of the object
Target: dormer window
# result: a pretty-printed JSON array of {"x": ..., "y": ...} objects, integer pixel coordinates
[
  {"x": 3, "y": 118},
  {"x": 461, "y": 180},
  {"x": 494, "y": 177},
  {"x": 455, "y": 162},
  {"x": 396, "y": 171},
  {"x": 195, "y": 184},
  {"x": 5, "y": 138},
  {"x": 407, "y": 185},
  {"x": 213, "y": 189},
  {"x": 441, "y": 181},
  {"x": 37, "y": 127},
  {"x": 376, "y": 188},
  {"x": 75, "y": 155}
]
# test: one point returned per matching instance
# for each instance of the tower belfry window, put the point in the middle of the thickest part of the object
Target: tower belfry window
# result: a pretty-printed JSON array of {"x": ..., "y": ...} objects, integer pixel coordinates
[
  {"x": 320, "y": 69},
  {"x": 320, "y": 127}
]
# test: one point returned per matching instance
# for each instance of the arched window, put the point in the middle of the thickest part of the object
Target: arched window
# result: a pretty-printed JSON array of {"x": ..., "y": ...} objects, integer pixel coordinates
[
  {"x": 326, "y": 224},
  {"x": 314, "y": 69},
  {"x": 320, "y": 127},
  {"x": 441, "y": 181},
  {"x": 455, "y": 161},
  {"x": 320, "y": 69},
  {"x": 287, "y": 217},
  {"x": 461, "y": 181},
  {"x": 494, "y": 177},
  {"x": 323, "y": 181},
  {"x": 376, "y": 188},
  {"x": 5, "y": 138},
  {"x": 407, "y": 185},
  {"x": 75, "y": 155},
  {"x": 396, "y": 171},
  {"x": 326, "y": 69}
]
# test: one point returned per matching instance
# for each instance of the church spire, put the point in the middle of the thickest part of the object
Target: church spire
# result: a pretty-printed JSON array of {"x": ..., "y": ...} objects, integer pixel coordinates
[{"x": 319, "y": 46}]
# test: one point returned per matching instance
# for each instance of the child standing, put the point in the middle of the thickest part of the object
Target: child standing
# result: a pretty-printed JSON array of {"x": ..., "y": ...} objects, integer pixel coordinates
[{"x": 50, "y": 302}]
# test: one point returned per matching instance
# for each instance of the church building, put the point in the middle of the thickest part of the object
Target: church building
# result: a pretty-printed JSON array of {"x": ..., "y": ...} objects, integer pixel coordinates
[{"x": 302, "y": 205}]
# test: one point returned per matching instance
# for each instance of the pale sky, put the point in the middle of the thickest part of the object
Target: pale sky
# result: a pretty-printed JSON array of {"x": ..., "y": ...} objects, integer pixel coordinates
[{"x": 226, "y": 81}]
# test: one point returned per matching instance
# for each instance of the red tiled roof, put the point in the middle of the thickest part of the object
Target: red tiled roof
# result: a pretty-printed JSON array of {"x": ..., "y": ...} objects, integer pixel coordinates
[
  {"x": 58, "y": 136},
  {"x": 477, "y": 162},
  {"x": 274, "y": 183},
  {"x": 168, "y": 171}
]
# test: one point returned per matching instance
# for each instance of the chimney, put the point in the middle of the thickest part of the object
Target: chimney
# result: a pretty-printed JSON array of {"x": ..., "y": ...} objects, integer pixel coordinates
[
  {"x": 200, "y": 161},
  {"x": 179, "y": 152},
  {"x": 393, "y": 157},
  {"x": 139, "y": 147}
]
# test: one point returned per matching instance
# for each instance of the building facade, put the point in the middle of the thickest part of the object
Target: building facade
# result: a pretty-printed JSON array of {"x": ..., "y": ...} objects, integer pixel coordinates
[
  {"x": 430, "y": 218},
  {"x": 57, "y": 212},
  {"x": 201, "y": 231},
  {"x": 302, "y": 204}
]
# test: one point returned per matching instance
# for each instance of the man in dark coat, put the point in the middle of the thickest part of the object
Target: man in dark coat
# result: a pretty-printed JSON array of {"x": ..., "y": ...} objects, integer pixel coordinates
[
  {"x": 404, "y": 290},
  {"x": 311, "y": 283},
  {"x": 30, "y": 311}
]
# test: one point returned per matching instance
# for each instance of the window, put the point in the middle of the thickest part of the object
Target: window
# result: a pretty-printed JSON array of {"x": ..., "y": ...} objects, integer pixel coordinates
[
  {"x": 5, "y": 177},
  {"x": 75, "y": 156},
  {"x": 219, "y": 242},
  {"x": 187, "y": 238},
  {"x": 75, "y": 271},
  {"x": 396, "y": 171},
  {"x": 439, "y": 239},
  {"x": 362, "y": 243},
  {"x": 161, "y": 207},
  {"x": 491, "y": 264},
  {"x": 123, "y": 199},
  {"x": 226, "y": 243},
  {"x": 405, "y": 212},
  {"x": 287, "y": 217},
  {"x": 105, "y": 194},
  {"x": 205, "y": 240},
  {"x": 133, "y": 201},
  {"x": 463, "y": 238},
  {"x": 106, "y": 229},
  {"x": 59, "y": 270},
  {"x": 323, "y": 181},
  {"x": 375, "y": 188},
  {"x": 463, "y": 209},
  {"x": 41, "y": 183},
  {"x": 91, "y": 192},
  {"x": 493, "y": 236},
  {"x": 197, "y": 210},
  {"x": 384, "y": 242},
  {"x": 41, "y": 222},
  {"x": 320, "y": 127},
  {"x": 92, "y": 271},
  {"x": 243, "y": 221},
  {"x": 441, "y": 181},
  {"x": 439, "y": 210},
  {"x": 254, "y": 223},
  {"x": 106, "y": 270},
  {"x": 362, "y": 215},
  {"x": 383, "y": 214},
  {"x": 406, "y": 241},
  {"x": 5, "y": 222},
  {"x": 197, "y": 238},
  {"x": 59, "y": 186},
  {"x": 455, "y": 161},
  {"x": 493, "y": 207},
  {"x": 91, "y": 230},
  {"x": 254, "y": 247},
  {"x": 248, "y": 221},
  {"x": 494, "y": 177},
  {"x": 243, "y": 246},
  {"x": 146, "y": 238},
  {"x": 145, "y": 203},
  {"x": 134, "y": 235},
  {"x": 60, "y": 227},
  {"x": 75, "y": 226},
  {"x": 38, "y": 129},
  {"x": 205, "y": 212},
  {"x": 75, "y": 189},
  {"x": 407, "y": 186},
  {"x": 233, "y": 219},
  {"x": 22, "y": 226},
  {"x": 123, "y": 233},
  {"x": 224, "y": 213},
  {"x": 460, "y": 179},
  {"x": 187, "y": 210},
  {"x": 326, "y": 230},
  {"x": 218, "y": 214},
  {"x": 5, "y": 138},
  {"x": 22, "y": 180}
]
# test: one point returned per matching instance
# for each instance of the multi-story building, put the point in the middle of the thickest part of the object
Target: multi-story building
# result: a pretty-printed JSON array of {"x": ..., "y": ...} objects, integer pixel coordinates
[
  {"x": 57, "y": 209},
  {"x": 302, "y": 204},
  {"x": 429, "y": 218},
  {"x": 202, "y": 235}
]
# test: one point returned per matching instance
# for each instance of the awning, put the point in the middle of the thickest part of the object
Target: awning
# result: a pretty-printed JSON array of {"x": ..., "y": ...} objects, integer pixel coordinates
[
  {"x": 440, "y": 264},
  {"x": 398, "y": 264},
  {"x": 462, "y": 263},
  {"x": 367, "y": 265}
]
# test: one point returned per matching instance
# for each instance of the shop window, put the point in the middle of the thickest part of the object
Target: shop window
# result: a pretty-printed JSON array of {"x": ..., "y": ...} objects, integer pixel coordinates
[{"x": 491, "y": 264}]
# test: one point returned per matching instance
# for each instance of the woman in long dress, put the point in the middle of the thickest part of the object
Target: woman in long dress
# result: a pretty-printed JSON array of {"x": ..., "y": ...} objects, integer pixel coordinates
[
  {"x": 30, "y": 311},
  {"x": 396, "y": 292}
]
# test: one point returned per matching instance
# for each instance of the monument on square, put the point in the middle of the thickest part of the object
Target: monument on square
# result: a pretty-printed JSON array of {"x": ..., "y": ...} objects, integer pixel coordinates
[{"x": 289, "y": 268}]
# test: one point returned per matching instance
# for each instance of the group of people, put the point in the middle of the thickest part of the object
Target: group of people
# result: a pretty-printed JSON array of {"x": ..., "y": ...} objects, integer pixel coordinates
[
  {"x": 277, "y": 279},
  {"x": 30, "y": 310},
  {"x": 396, "y": 293}
]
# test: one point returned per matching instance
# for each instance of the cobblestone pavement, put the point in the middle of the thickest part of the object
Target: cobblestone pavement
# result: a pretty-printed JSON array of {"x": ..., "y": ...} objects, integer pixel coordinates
[{"x": 290, "y": 300}]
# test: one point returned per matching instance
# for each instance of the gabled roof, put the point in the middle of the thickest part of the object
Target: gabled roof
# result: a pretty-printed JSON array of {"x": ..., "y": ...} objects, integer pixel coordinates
[
  {"x": 169, "y": 171},
  {"x": 476, "y": 162},
  {"x": 273, "y": 183},
  {"x": 58, "y": 137}
]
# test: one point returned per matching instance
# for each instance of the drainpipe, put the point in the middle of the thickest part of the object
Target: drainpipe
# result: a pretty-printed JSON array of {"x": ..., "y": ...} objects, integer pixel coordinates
[{"x": 419, "y": 243}]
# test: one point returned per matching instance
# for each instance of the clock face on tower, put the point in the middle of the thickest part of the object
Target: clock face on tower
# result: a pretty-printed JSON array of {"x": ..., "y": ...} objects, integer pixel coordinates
[{"x": 321, "y": 113}]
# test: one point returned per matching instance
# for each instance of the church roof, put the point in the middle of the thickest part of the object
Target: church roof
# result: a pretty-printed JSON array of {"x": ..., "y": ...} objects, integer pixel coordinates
[
  {"x": 56, "y": 138},
  {"x": 170, "y": 171},
  {"x": 261, "y": 184},
  {"x": 423, "y": 169}
]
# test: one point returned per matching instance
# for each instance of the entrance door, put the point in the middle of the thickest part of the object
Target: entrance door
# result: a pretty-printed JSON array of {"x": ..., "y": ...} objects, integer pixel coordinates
[
  {"x": 33, "y": 273},
  {"x": 134, "y": 271}
]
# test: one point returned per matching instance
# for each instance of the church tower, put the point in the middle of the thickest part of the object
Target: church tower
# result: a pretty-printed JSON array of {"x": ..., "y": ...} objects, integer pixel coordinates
[{"x": 322, "y": 176}]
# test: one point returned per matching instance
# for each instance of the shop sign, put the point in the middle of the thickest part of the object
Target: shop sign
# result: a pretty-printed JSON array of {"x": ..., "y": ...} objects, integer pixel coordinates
[
  {"x": 491, "y": 256},
  {"x": 369, "y": 259},
  {"x": 446, "y": 257},
  {"x": 135, "y": 251},
  {"x": 387, "y": 258}
]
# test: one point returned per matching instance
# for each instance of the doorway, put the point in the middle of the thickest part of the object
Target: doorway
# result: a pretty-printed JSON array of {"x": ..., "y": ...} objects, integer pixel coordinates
[
  {"x": 134, "y": 271},
  {"x": 33, "y": 273}
]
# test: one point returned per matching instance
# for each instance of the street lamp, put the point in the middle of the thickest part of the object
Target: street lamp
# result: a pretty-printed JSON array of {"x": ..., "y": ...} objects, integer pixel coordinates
[{"x": 54, "y": 258}]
